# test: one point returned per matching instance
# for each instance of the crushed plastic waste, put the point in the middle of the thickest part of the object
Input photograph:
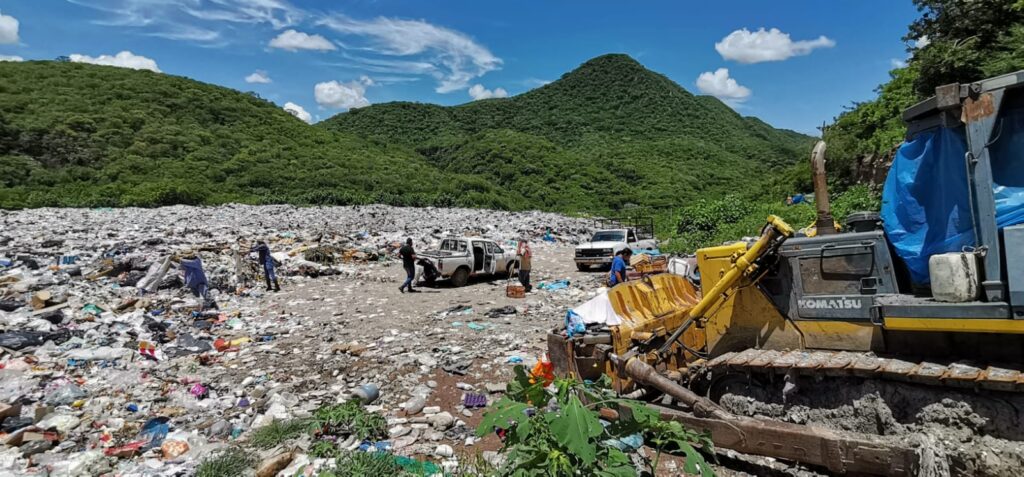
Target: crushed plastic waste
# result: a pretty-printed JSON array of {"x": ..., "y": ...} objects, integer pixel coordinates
[{"x": 114, "y": 362}]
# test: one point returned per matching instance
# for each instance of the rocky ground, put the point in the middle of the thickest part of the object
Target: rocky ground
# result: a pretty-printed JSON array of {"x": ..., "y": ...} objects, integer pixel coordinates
[{"x": 97, "y": 350}]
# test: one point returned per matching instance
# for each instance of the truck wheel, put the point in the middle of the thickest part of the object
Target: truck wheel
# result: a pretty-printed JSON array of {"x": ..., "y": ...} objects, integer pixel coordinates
[
  {"x": 582, "y": 267},
  {"x": 460, "y": 278},
  {"x": 430, "y": 281}
]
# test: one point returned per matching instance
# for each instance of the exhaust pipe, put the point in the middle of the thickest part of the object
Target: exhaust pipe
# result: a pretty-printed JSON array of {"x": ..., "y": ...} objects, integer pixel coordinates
[{"x": 825, "y": 224}]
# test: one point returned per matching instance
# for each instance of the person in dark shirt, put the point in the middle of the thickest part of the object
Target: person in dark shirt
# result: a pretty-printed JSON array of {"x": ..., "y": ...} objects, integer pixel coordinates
[
  {"x": 267, "y": 261},
  {"x": 409, "y": 264}
]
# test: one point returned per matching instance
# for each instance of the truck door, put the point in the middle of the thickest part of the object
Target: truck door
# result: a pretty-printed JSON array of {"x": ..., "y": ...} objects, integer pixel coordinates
[
  {"x": 631, "y": 237},
  {"x": 491, "y": 258},
  {"x": 479, "y": 256}
]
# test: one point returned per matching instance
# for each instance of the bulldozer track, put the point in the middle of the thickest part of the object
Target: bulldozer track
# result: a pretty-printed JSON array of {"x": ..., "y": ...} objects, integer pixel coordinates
[{"x": 867, "y": 365}]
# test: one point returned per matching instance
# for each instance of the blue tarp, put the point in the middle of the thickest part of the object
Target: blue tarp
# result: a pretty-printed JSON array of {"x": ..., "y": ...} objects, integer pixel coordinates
[{"x": 926, "y": 203}]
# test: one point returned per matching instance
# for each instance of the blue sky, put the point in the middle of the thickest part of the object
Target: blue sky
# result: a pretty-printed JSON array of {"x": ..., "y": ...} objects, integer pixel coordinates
[{"x": 793, "y": 63}]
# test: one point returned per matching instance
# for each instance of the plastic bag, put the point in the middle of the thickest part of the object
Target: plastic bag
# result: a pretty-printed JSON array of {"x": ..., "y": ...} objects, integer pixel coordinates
[
  {"x": 65, "y": 394},
  {"x": 574, "y": 324}
]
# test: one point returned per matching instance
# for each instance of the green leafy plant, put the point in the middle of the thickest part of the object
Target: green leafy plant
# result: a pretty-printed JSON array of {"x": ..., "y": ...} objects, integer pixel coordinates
[
  {"x": 231, "y": 462},
  {"x": 324, "y": 449},
  {"x": 560, "y": 433},
  {"x": 349, "y": 418}
]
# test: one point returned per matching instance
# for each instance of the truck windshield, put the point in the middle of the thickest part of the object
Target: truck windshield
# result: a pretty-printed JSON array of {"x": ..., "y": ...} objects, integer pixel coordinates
[{"x": 609, "y": 236}]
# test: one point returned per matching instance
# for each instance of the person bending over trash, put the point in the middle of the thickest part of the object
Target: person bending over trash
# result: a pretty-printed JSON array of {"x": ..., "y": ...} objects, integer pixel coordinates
[
  {"x": 267, "y": 261},
  {"x": 525, "y": 257},
  {"x": 409, "y": 264},
  {"x": 618, "y": 273}
]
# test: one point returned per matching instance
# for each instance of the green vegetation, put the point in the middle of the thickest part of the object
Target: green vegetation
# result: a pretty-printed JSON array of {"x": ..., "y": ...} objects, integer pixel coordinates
[
  {"x": 967, "y": 41},
  {"x": 232, "y": 462},
  {"x": 277, "y": 432},
  {"x": 568, "y": 439},
  {"x": 715, "y": 221},
  {"x": 85, "y": 135},
  {"x": 609, "y": 134},
  {"x": 359, "y": 464},
  {"x": 349, "y": 418}
]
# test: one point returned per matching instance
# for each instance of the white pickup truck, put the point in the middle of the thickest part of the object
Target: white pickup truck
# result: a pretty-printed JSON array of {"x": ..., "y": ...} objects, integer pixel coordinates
[
  {"x": 603, "y": 246},
  {"x": 460, "y": 258}
]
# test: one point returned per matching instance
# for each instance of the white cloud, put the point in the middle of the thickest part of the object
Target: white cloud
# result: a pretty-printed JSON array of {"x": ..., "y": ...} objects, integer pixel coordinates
[
  {"x": 451, "y": 57},
  {"x": 259, "y": 76},
  {"x": 292, "y": 40},
  {"x": 333, "y": 94},
  {"x": 478, "y": 91},
  {"x": 746, "y": 46},
  {"x": 11, "y": 58},
  {"x": 8, "y": 30},
  {"x": 124, "y": 59},
  {"x": 721, "y": 86},
  {"x": 922, "y": 42},
  {"x": 298, "y": 111},
  {"x": 897, "y": 63},
  {"x": 197, "y": 21}
]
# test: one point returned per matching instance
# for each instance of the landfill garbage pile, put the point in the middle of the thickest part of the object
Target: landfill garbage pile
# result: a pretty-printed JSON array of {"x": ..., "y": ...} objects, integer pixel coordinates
[{"x": 143, "y": 341}]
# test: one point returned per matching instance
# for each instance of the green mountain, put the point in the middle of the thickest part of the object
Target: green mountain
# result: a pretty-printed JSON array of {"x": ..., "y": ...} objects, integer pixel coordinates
[
  {"x": 610, "y": 126},
  {"x": 608, "y": 134}
]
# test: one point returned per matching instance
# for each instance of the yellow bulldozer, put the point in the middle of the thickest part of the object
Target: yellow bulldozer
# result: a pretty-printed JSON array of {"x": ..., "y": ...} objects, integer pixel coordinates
[{"x": 934, "y": 297}]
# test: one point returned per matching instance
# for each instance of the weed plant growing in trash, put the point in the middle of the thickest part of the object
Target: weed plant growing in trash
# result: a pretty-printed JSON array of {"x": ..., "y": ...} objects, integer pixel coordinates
[
  {"x": 349, "y": 418},
  {"x": 366, "y": 464},
  {"x": 277, "y": 432},
  {"x": 558, "y": 432},
  {"x": 231, "y": 462}
]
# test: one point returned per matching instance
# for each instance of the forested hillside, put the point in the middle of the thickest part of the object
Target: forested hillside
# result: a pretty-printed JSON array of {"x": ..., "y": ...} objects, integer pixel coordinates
[
  {"x": 84, "y": 135},
  {"x": 610, "y": 125},
  {"x": 954, "y": 41},
  {"x": 606, "y": 135}
]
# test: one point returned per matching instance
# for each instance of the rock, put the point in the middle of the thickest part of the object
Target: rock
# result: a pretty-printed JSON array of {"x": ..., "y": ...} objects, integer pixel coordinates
[
  {"x": 433, "y": 436},
  {"x": 464, "y": 386},
  {"x": 494, "y": 388},
  {"x": 441, "y": 421},
  {"x": 414, "y": 405},
  {"x": 467, "y": 413},
  {"x": 431, "y": 410},
  {"x": 220, "y": 428},
  {"x": 399, "y": 431},
  {"x": 272, "y": 465},
  {"x": 404, "y": 442},
  {"x": 444, "y": 451}
]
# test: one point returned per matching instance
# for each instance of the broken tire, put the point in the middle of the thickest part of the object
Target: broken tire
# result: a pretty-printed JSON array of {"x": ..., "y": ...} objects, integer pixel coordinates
[{"x": 460, "y": 278}]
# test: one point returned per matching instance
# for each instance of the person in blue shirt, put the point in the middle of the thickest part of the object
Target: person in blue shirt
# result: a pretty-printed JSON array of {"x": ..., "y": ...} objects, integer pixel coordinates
[
  {"x": 619, "y": 264},
  {"x": 267, "y": 261}
]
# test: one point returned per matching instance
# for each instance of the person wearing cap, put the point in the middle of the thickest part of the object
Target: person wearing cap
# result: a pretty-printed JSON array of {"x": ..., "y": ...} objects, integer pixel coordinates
[
  {"x": 619, "y": 264},
  {"x": 409, "y": 264},
  {"x": 525, "y": 257}
]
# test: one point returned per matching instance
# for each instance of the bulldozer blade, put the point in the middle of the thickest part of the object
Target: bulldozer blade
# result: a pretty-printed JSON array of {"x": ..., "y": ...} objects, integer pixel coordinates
[{"x": 839, "y": 453}]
